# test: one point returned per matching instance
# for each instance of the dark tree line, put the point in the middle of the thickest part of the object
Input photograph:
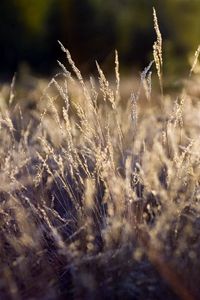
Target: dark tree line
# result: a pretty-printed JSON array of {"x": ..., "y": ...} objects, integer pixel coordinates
[{"x": 92, "y": 29}]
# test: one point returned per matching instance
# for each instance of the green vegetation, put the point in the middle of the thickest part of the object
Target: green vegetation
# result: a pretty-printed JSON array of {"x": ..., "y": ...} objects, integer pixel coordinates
[{"x": 29, "y": 32}]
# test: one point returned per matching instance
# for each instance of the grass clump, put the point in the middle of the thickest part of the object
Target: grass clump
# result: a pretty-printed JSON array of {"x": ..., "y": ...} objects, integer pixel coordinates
[{"x": 99, "y": 194}]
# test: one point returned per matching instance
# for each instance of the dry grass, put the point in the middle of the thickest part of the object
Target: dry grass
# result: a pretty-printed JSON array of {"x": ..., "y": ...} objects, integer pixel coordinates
[{"x": 99, "y": 193}]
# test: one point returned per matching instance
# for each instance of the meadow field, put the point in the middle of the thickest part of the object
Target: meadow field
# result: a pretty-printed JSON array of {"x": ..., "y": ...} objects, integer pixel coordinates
[{"x": 100, "y": 184}]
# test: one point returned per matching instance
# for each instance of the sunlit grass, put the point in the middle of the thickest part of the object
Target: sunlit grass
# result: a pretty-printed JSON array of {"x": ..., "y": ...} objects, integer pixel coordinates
[{"x": 100, "y": 191}]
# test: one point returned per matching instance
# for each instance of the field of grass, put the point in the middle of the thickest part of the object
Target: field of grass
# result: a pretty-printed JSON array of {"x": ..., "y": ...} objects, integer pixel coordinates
[{"x": 100, "y": 190}]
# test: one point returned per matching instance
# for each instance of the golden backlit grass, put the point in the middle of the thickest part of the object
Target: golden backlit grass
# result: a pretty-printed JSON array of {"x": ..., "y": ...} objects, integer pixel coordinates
[{"x": 99, "y": 192}]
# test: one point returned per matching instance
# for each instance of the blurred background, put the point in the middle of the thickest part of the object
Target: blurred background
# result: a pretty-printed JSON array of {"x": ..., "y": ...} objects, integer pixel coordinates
[{"x": 92, "y": 30}]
